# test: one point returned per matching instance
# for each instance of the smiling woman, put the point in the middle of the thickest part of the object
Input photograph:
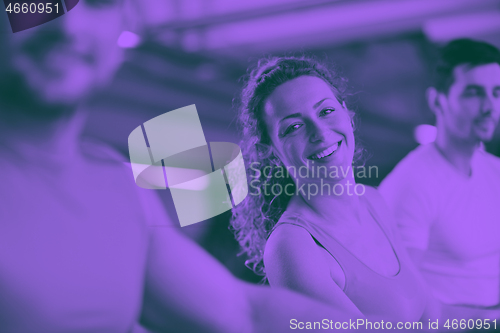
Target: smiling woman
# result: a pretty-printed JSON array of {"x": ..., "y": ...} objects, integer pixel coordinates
[
  {"x": 322, "y": 239},
  {"x": 257, "y": 215}
]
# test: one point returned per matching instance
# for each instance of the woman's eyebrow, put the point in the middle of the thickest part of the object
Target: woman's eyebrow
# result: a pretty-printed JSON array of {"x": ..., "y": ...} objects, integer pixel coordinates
[
  {"x": 319, "y": 103},
  {"x": 293, "y": 115},
  {"x": 298, "y": 115}
]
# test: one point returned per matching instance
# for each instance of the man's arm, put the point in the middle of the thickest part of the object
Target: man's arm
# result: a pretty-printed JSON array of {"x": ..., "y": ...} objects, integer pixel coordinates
[
  {"x": 187, "y": 290},
  {"x": 274, "y": 308}
]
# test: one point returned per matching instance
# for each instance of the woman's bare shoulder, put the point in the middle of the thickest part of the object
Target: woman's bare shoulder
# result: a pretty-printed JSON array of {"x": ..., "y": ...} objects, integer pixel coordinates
[
  {"x": 291, "y": 247},
  {"x": 288, "y": 238},
  {"x": 293, "y": 259}
]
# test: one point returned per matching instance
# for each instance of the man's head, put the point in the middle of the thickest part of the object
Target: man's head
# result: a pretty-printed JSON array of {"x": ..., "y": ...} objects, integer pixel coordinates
[
  {"x": 465, "y": 96},
  {"x": 63, "y": 60}
]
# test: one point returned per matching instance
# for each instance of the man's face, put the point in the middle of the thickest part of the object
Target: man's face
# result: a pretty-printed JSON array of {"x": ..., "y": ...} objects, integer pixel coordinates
[
  {"x": 63, "y": 60},
  {"x": 471, "y": 109}
]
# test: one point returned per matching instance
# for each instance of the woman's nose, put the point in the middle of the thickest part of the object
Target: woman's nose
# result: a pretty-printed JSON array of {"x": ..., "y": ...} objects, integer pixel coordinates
[{"x": 319, "y": 132}]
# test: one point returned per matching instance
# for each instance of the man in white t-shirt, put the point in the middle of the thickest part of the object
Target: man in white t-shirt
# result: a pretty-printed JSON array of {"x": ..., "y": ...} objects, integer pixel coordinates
[{"x": 446, "y": 195}]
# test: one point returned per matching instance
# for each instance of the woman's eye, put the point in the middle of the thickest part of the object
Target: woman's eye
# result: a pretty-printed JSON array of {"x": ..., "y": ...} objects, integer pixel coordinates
[
  {"x": 326, "y": 111},
  {"x": 292, "y": 128}
]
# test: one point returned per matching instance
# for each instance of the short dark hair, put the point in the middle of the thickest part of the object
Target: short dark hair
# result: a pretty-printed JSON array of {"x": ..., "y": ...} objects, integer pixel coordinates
[{"x": 462, "y": 51}]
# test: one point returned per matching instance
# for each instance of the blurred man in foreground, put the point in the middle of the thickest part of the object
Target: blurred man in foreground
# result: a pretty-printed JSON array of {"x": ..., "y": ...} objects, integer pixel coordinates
[
  {"x": 82, "y": 248},
  {"x": 446, "y": 194}
]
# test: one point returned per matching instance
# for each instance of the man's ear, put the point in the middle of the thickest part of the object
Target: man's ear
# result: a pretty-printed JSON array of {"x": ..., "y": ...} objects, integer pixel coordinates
[{"x": 434, "y": 100}]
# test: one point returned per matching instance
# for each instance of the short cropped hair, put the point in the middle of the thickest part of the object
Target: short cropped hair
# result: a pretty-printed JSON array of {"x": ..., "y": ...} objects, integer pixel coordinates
[{"x": 462, "y": 51}]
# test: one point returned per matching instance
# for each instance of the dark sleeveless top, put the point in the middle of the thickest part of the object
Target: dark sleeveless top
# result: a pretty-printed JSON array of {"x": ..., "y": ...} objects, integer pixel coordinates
[{"x": 399, "y": 297}]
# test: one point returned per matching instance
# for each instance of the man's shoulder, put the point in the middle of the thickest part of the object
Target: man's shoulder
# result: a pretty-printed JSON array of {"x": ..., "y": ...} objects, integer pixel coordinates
[
  {"x": 110, "y": 160},
  {"x": 373, "y": 195},
  {"x": 417, "y": 165},
  {"x": 102, "y": 152},
  {"x": 105, "y": 162},
  {"x": 420, "y": 157},
  {"x": 489, "y": 158},
  {"x": 490, "y": 162}
]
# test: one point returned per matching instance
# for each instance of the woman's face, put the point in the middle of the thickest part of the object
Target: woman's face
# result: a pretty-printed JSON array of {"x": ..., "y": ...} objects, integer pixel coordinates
[{"x": 309, "y": 128}]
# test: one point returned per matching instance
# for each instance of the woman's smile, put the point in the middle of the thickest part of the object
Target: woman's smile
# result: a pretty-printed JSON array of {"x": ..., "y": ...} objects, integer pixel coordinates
[{"x": 324, "y": 153}]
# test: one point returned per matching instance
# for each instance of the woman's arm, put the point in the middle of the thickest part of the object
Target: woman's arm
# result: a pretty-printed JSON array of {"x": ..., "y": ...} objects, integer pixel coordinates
[
  {"x": 187, "y": 290},
  {"x": 293, "y": 260}
]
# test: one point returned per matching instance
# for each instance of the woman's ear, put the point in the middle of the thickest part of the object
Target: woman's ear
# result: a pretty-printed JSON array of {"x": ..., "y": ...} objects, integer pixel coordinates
[
  {"x": 275, "y": 155},
  {"x": 351, "y": 115},
  {"x": 275, "y": 158}
]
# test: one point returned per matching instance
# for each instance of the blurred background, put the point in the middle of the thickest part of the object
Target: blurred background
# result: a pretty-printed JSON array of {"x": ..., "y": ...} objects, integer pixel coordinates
[{"x": 196, "y": 51}]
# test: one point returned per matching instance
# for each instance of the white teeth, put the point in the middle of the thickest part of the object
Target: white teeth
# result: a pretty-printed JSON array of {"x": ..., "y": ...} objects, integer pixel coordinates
[{"x": 326, "y": 152}]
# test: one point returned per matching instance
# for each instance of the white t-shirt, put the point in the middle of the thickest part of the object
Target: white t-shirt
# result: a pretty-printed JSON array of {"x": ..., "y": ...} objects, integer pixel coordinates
[{"x": 455, "y": 219}]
